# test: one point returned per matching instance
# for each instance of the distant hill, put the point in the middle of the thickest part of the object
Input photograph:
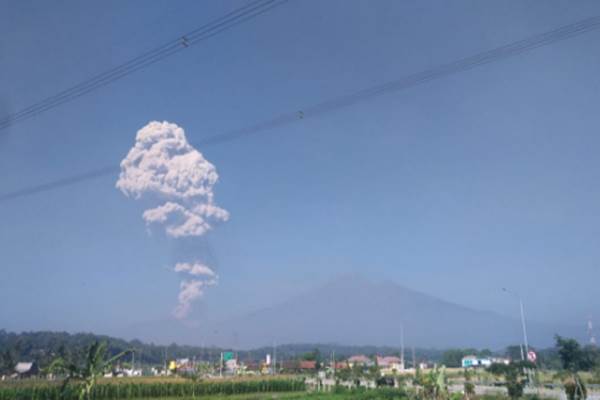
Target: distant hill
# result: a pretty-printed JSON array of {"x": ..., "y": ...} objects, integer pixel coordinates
[
  {"x": 45, "y": 346},
  {"x": 355, "y": 311}
]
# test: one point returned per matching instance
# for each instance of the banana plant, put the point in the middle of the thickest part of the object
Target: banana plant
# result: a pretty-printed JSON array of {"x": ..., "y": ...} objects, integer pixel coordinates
[
  {"x": 441, "y": 383},
  {"x": 434, "y": 384},
  {"x": 95, "y": 366}
]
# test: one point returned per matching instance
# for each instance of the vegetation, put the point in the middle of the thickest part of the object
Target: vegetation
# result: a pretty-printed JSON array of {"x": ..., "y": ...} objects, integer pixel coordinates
[
  {"x": 82, "y": 361},
  {"x": 315, "y": 356},
  {"x": 515, "y": 376},
  {"x": 360, "y": 394},
  {"x": 86, "y": 375},
  {"x": 469, "y": 387},
  {"x": 131, "y": 389},
  {"x": 432, "y": 385},
  {"x": 7, "y": 362},
  {"x": 43, "y": 347},
  {"x": 573, "y": 359}
]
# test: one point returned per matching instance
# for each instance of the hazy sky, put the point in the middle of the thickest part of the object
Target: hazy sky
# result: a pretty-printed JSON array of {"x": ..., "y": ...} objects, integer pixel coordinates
[{"x": 456, "y": 188}]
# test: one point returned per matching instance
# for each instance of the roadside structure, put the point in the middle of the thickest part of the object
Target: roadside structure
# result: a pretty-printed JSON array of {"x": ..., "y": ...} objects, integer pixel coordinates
[
  {"x": 472, "y": 361},
  {"x": 26, "y": 369},
  {"x": 359, "y": 360}
]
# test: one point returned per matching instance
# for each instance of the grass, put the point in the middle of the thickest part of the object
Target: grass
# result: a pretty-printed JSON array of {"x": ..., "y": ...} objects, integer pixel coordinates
[
  {"x": 383, "y": 394},
  {"x": 248, "y": 396}
]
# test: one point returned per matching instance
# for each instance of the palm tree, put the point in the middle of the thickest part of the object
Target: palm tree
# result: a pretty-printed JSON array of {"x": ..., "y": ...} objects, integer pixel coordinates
[{"x": 94, "y": 367}]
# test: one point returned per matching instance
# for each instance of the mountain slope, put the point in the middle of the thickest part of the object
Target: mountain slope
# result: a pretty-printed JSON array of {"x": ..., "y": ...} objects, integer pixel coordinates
[{"x": 354, "y": 311}]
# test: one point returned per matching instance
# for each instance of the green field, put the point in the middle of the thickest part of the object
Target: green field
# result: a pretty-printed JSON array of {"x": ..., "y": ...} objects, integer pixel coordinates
[{"x": 149, "y": 388}]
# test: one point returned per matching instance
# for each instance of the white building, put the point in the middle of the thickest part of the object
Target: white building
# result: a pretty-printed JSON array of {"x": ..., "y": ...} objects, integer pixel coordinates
[{"x": 472, "y": 361}]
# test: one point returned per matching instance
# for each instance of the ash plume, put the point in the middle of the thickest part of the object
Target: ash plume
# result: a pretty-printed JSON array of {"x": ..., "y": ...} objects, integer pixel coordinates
[
  {"x": 195, "y": 269},
  {"x": 163, "y": 168}
]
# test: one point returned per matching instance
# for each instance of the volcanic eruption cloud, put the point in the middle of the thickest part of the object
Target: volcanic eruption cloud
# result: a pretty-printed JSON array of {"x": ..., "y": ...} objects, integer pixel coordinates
[{"x": 166, "y": 171}]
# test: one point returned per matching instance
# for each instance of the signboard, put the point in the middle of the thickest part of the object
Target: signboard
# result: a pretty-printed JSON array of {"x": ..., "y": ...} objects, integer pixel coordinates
[
  {"x": 228, "y": 355},
  {"x": 531, "y": 356}
]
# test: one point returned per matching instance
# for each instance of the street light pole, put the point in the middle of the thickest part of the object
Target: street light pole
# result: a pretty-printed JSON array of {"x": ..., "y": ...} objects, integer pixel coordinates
[
  {"x": 526, "y": 357},
  {"x": 524, "y": 328},
  {"x": 523, "y": 325}
]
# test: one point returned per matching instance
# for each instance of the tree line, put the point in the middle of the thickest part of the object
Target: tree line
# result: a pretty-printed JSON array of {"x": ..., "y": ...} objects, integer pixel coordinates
[
  {"x": 547, "y": 358},
  {"x": 44, "y": 346}
]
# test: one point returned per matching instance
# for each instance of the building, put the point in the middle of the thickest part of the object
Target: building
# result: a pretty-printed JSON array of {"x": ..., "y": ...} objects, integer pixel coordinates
[
  {"x": 472, "y": 361},
  {"x": 231, "y": 366},
  {"x": 341, "y": 364},
  {"x": 305, "y": 365},
  {"x": 359, "y": 360},
  {"x": 389, "y": 365},
  {"x": 390, "y": 362},
  {"x": 425, "y": 365}
]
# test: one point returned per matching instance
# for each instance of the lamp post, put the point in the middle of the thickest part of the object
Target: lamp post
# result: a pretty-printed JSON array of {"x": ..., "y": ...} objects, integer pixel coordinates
[{"x": 522, "y": 322}]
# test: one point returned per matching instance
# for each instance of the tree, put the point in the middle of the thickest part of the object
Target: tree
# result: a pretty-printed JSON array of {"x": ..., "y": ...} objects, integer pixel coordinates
[
  {"x": 87, "y": 375},
  {"x": 373, "y": 372},
  {"x": 469, "y": 387},
  {"x": 514, "y": 352},
  {"x": 485, "y": 353},
  {"x": 343, "y": 374},
  {"x": 356, "y": 373},
  {"x": 572, "y": 356},
  {"x": 573, "y": 360},
  {"x": 204, "y": 369},
  {"x": 314, "y": 355},
  {"x": 7, "y": 364},
  {"x": 514, "y": 376},
  {"x": 453, "y": 358}
]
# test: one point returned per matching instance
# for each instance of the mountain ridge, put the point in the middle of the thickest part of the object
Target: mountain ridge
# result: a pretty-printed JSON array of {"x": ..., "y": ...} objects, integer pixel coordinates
[{"x": 323, "y": 314}]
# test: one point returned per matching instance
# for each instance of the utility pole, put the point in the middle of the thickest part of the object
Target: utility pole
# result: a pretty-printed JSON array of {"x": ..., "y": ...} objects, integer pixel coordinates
[
  {"x": 591, "y": 335},
  {"x": 522, "y": 353},
  {"x": 402, "y": 345},
  {"x": 333, "y": 361},
  {"x": 274, "y": 358},
  {"x": 165, "y": 358},
  {"x": 221, "y": 366}
]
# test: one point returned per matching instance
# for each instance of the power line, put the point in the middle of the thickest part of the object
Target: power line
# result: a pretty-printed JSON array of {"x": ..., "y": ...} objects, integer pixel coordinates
[
  {"x": 236, "y": 17},
  {"x": 486, "y": 57}
]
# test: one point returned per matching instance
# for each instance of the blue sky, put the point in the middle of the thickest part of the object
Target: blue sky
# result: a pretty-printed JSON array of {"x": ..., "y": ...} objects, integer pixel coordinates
[{"x": 457, "y": 187}]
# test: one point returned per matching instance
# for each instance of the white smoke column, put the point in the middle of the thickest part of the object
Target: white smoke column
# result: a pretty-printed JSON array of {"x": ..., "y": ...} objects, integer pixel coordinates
[{"x": 163, "y": 167}]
